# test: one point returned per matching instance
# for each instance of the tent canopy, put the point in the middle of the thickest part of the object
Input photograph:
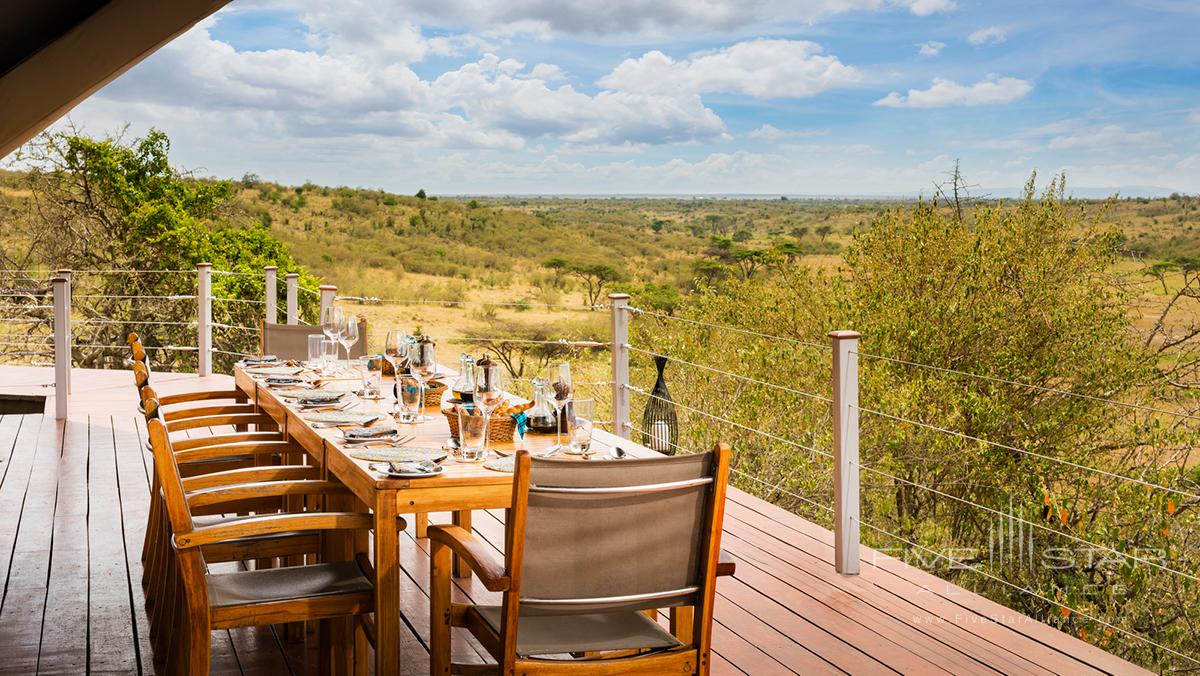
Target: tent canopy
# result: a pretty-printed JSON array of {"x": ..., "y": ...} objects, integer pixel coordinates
[{"x": 55, "y": 53}]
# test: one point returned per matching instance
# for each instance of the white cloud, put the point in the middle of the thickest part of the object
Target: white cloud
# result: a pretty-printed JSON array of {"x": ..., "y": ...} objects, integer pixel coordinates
[
  {"x": 1102, "y": 138},
  {"x": 772, "y": 134},
  {"x": 763, "y": 68},
  {"x": 930, "y": 48},
  {"x": 992, "y": 90},
  {"x": 1194, "y": 117},
  {"x": 991, "y": 35},
  {"x": 927, "y": 7},
  {"x": 548, "y": 72}
]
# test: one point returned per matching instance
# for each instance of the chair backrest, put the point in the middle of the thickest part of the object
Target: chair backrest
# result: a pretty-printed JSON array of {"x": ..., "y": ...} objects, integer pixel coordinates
[
  {"x": 617, "y": 535},
  {"x": 166, "y": 470},
  {"x": 290, "y": 341}
]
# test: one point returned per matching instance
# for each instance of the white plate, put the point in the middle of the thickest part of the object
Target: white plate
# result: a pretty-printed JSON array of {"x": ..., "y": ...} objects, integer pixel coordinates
[{"x": 384, "y": 469}]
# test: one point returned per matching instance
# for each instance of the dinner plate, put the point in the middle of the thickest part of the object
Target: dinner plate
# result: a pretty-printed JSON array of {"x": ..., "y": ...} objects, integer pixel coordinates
[
  {"x": 397, "y": 454},
  {"x": 385, "y": 469},
  {"x": 312, "y": 395},
  {"x": 274, "y": 370},
  {"x": 343, "y": 417}
]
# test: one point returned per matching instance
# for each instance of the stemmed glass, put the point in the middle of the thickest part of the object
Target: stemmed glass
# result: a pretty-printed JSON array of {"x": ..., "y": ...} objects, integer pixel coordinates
[
  {"x": 489, "y": 392},
  {"x": 559, "y": 378},
  {"x": 332, "y": 322},
  {"x": 423, "y": 366},
  {"x": 349, "y": 335}
]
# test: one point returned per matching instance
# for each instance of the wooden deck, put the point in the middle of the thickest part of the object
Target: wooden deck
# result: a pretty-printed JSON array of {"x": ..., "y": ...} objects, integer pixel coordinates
[{"x": 73, "y": 500}]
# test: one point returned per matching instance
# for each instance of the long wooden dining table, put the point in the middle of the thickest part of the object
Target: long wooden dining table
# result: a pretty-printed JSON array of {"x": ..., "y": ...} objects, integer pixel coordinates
[{"x": 460, "y": 488}]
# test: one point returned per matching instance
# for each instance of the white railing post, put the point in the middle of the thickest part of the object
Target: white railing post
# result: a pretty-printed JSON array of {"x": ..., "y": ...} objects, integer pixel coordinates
[
  {"x": 271, "y": 292},
  {"x": 292, "y": 279},
  {"x": 204, "y": 319},
  {"x": 62, "y": 345},
  {"x": 328, "y": 294},
  {"x": 619, "y": 304},
  {"x": 846, "y": 520},
  {"x": 65, "y": 273}
]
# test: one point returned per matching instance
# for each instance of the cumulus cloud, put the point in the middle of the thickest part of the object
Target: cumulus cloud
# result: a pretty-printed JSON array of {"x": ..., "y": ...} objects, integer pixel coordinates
[
  {"x": 993, "y": 90},
  {"x": 927, "y": 7},
  {"x": 991, "y": 35},
  {"x": 763, "y": 68},
  {"x": 1103, "y": 138},
  {"x": 930, "y": 48},
  {"x": 772, "y": 134}
]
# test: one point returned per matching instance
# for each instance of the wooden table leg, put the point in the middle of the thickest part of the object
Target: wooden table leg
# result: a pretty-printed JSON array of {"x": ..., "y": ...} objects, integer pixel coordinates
[
  {"x": 462, "y": 519},
  {"x": 387, "y": 585}
]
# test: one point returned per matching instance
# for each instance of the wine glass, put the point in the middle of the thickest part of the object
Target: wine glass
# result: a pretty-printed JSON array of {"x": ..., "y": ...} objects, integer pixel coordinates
[
  {"x": 560, "y": 390},
  {"x": 332, "y": 321},
  {"x": 489, "y": 391},
  {"x": 422, "y": 364},
  {"x": 349, "y": 335}
]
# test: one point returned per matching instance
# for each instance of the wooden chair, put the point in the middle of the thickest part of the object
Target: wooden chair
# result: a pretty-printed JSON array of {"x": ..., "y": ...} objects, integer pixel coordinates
[
  {"x": 211, "y": 601},
  {"x": 290, "y": 341},
  {"x": 591, "y": 550}
]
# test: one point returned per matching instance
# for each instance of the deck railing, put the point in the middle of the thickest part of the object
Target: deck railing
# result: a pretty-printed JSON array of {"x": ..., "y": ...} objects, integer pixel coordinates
[{"x": 841, "y": 356}]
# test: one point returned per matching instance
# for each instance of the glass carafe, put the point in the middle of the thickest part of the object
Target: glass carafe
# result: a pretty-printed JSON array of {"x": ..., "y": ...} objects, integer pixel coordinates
[
  {"x": 463, "y": 389},
  {"x": 543, "y": 418}
]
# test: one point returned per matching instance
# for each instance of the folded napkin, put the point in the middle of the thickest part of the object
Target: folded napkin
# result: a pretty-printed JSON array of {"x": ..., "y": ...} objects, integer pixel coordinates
[
  {"x": 343, "y": 417},
  {"x": 370, "y": 432},
  {"x": 317, "y": 401},
  {"x": 265, "y": 359},
  {"x": 414, "y": 467}
]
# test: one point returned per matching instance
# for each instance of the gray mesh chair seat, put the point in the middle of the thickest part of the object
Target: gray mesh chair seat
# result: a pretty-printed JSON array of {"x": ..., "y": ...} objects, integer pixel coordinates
[
  {"x": 286, "y": 584},
  {"x": 557, "y": 634},
  {"x": 590, "y": 546},
  {"x": 290, "y": 341}
]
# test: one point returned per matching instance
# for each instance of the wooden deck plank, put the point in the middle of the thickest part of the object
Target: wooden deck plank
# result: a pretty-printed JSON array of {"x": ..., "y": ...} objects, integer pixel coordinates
[
  {"x": 133, "y": 496},
  {"x": 24, "y": 602}
]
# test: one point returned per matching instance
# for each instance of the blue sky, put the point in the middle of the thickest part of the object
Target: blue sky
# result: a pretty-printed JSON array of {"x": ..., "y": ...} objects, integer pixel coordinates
[{"x": 676, "y": 96}]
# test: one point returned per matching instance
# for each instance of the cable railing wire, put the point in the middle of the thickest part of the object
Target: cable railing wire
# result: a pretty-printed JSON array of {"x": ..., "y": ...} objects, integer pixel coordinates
[
  {"x": 634, "y": 388},
  {"x": 1039, "y": 388},
  {"x": 218, "y": 325},
  {"x": 796, "y": 341},
  {"x": 370, "y": 300},
  {"x": 731, "y": 375},
  {"x": 775, "y": 487},
  {"x": 1026, "y": 590},
  {"x": 1035, "y": 454},
  {"x": 249, "y": 301},
  {"x": 561, "y": 342},
  {"x": 1043, "y": 527}
]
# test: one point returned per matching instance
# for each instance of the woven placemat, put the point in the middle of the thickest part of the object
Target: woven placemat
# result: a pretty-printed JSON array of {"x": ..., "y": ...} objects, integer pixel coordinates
[
  {"x": 397, "y": 454},
  {"x": 506, "y": 464}
]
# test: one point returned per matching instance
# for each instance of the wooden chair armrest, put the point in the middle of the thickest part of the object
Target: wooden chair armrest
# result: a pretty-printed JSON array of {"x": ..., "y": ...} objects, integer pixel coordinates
[
  {"x": 185, "y": 397},
  {"x": 207, "y": 497},
  {"x": 277, "y": 523},
  {"x": 221, "y": 421},
  {"x": 475, "y": 552},
  {"x": 205, "y": 411},
  {"x": 251, "y": 475},
  {"x": 235, "y": 450},
  {"x": 726, "y": 565},
  {"x": 220, "y": 439}
]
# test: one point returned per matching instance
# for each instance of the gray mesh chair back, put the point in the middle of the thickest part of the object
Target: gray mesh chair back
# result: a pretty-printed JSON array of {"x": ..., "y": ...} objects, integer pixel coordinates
[
  {"x": 615, "y": 535},
  {"x": 290, "y": 341}
]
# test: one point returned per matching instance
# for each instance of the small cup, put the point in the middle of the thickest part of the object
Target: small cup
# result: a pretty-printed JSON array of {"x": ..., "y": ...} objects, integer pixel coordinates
[
  {"x": 579, "y": 423},
  {"x": 472, "y": 433},
  {"x": 371, "y": 368},
  {"x": 329, "y": 355},
  {"x": 408, "y": 399},
  {"x": 314, "y": 350}
]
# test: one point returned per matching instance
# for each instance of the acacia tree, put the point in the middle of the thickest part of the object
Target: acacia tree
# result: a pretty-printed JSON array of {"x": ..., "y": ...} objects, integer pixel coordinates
[
  {"x": 135, "y": 227},
  {"x": 596, "y": 278}
]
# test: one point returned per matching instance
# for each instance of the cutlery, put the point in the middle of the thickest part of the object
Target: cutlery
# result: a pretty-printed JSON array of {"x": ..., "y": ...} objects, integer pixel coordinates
[{"x": 381, "y": 441}]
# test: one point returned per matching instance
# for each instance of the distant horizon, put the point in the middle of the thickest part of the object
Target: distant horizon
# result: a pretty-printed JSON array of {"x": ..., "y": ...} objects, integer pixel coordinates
[{"x": 805, "y": 97}]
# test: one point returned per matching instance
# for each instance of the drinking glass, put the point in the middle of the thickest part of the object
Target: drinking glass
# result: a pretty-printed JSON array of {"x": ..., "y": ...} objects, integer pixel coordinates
[
  {"x": 329, "y": 355},
  {"x": 349, "y": 335},
  {"x": 395, "y": 350},
  {"x": 579, "y": 425},
  {"x": 422, "y": 365},
  {"x": 489, "y": 388},
  {"x": 408, "y": 399},
  {"x": 472, "y": 432},
  {"x": 314, "y": 350},
  {"x": 560, "y": 390},
  {"x": 371, "y": 368}
]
